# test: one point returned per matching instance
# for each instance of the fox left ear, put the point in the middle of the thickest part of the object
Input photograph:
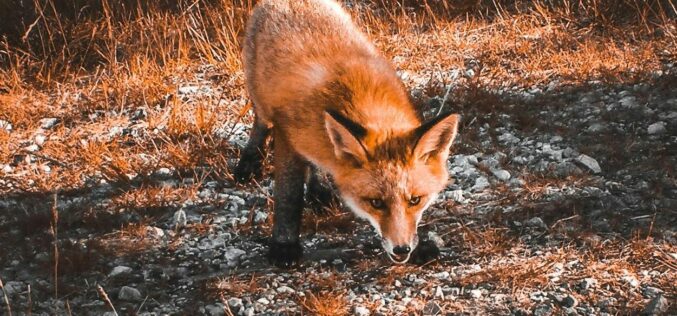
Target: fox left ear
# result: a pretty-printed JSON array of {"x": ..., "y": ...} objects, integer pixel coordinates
[{"x": 436, "y": 136}]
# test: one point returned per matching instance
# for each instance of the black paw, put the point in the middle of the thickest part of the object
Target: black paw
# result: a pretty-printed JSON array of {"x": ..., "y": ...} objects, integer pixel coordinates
[
  {"x": 247, "y": 168},
  {"x": 425, "y": 252},
  {"x": 284, "y": 255}
]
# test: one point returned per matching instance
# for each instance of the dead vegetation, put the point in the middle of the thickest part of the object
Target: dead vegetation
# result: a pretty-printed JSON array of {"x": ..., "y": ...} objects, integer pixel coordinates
[{"x": 125, "y": 81}]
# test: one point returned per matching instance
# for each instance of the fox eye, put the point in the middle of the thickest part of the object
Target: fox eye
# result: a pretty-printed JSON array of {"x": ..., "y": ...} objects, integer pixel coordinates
[
  {"x": 414, "y": 200},
  {"x": 377, "y": 204}
]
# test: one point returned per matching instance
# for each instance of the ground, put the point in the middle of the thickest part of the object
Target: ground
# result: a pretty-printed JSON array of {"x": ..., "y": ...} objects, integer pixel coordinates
[{"x": 117, "y": 195}]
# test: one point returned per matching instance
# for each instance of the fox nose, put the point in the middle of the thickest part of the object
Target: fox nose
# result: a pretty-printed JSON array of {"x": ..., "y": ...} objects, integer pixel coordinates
[{"x": 401, "y": 250}]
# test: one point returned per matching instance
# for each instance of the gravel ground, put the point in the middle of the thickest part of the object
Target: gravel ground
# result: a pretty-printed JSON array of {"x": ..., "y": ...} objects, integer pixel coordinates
[{"x": 564, "y": 202}]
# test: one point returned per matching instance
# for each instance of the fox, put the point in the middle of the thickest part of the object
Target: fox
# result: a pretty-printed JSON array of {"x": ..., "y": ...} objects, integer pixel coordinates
[{"x": 332, "y": 103}]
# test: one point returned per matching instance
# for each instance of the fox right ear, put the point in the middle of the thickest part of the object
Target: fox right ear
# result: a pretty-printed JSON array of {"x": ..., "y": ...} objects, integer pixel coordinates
[{"x": 345, "y": 137}]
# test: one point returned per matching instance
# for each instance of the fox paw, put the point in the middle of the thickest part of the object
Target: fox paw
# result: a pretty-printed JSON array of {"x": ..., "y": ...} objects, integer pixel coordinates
[
  {"x": 247, "y": 169},
  {"x": 425, "y": 252},
  {"x": 284, "y": 255}
]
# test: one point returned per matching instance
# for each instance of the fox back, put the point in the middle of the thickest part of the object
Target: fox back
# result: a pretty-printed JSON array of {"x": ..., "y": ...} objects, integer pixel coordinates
[{"x": 318, "y": 82}]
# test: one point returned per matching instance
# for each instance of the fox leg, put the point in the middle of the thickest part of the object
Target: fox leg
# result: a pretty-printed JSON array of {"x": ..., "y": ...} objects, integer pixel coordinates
[
  {"x": 285, "y": 248},
  {"x": 319, "y": 191},
  {"x": 251, "y": 157}
]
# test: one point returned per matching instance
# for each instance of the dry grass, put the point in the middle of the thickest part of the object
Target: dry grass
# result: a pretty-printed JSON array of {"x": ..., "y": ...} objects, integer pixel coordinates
[{"x": 325, "y": 304}]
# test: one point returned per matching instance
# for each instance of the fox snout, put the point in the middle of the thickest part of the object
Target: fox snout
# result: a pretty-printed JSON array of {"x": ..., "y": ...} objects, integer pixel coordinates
[{"x": 399, "y": 252}]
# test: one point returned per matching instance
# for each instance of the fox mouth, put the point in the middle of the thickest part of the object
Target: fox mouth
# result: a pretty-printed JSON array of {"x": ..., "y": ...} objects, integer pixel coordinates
[{"x": 398, "y": 259}]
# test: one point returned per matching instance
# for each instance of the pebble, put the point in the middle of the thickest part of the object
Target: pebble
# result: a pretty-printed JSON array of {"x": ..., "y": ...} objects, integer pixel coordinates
[
  {"x": 656, "y": 128},
  {"x": 502, "y": 175},
  {"x": 5, "y": 125},
  {"x": 629, "y": 102},
  {"x": 47, "y": 123},
  {"x": 180, "y": 219},
  {"x": 235, "y": 302},
  {"x": 588, "y": 283},
  {"x": 536, "y": 222},
  {"x": 40, "y": 139},
  {"x": 215, "y": 310},
  {"x": 233, "y": 256},
  {"x": 589, "y": 163},
  {"x": 128, "y": 293},
  {"x": 455, "y": 195},
  {"x": 657, "y": 306},
  {"x": 481, "y": 183},
  {"x": 476, "y": 293},
  {"x": 361, "y": 311},
  {"x": 119, "y": 271}
]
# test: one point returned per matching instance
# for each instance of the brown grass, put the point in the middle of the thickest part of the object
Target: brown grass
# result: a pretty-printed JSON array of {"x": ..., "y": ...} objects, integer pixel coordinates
[{"x": 325, "y": 304}]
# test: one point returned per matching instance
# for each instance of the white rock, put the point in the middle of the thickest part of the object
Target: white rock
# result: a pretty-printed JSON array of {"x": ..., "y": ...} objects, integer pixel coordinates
[
  {"x": 188, "y": 90},
  {"x": 656, "y": 128},
  {"x": 5, "y": 125},
  {"x": 7, "y": 169},
  {"x": 502, "y": 175},
  {"x": 441, "y": 275},
  {"x": 233, "y": 255},
  {"x": 476, "y": 293},
  {"x": 128, "y": 293},
  {"x": 481, "y": 183},
  {"x": 180, "y": 219},
  {"x": 235, "y": 302},
  {"x": 120, "y": 270},
  {"x": 589, "y": 163},
  {"x": 260, "y": 217},
  {"x": 456, "y": 195},
  {"x": 361, "y": 311},
  {"x": 32, "y": 148},
  {"x": 285, "y": 289},
  {"x": 263, "y": 301},
  {"x": 49, "y": 122}
]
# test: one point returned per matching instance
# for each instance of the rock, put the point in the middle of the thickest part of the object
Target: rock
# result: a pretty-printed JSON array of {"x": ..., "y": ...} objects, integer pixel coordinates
[
  {"x": 120, "y": 271},
  {"x": 629, "y": 102},
  {"x": 656, "y": 128},
  {"x": 13, "y": 287},
  {"x": 502, "y": 175},
  {"x": 40, "y": 139},
  {"x": 188, "y": 90},
  {"x": 588, "y": 283},
  {"x": 32, "y": 148},
  {"x": 432, "y": 308},
  {"x": 361, "y": 311},
  {"x": 651, "y": 292},
  {"x": 263, "y": 301},
  {"x": 455, "y": 195},
  {"x": 5, "y": 125},
  {"x": 47, "y": 123},
  {"x": 260, "y": 217},
  {"x": 235, "y": 302},
  {"x": 441, "y": 275},
  {"x": 285, "y": 289},
  {"x": 589, "y": 163},
  {"x": 630, "y": 280},
  {"x": 233, "y": 256},
  {"x": 536, "y": 222},
  {"x": 128, "y": 293},
  {"x": 180, "y": 219},
  {"x": 476, "y": 293},
  {"x": 436, "y": 239},
  {"x": 544, "y": 309},
  {"x": 215, "y": 310},
  {"x": 657, "y": 306},
  {"x": 481, "y": 183},
  {"x": 566, "y": 168}
]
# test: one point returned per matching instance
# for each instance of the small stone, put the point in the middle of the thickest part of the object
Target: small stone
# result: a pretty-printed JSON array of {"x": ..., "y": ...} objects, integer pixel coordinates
[
  {"x": 7, "y": 169},
  {"x": 361, "y": 311},
  {"x": 32, "y": 148},
  {"x": 544, "y": 309},
  {"x": 650, "y": 291},
  {"x": 40, "y": 139},
  {"x": 47, "y": 123},
  {"x": 235, "y": 302},
  {"x": 455, "y": 195},
  {"x": 657, "y": 306},
  {"x": 180, "y": 219},
  {"x": 215, "y": 310},
  {"x": 13, "y": 287},
  {"x": 481, "y": 183},
  {"x": 441, "y": 275},
  {"x": 432, "y": 308},
  {"x": 260, "y": 217},
  {"x": 233, "y": 256},
  {"x": 263, "y": 301},
  {"x": 436, "y": 239},
  {"x": 588, "y": 283},
  {"x": 589, "y": 163},
  {"x": 5, "y": 125},
  {"x": 285, "y": 289},
  {"x": 502, "y": 175},
  {"x": 398, "y": 283},
  {"x": 119, "y": 271},
  {"x": 629, "y": 102},
  {"x": 656, "y": 128},
  {"x": 476, "y": 293},
  {"x": 630, "y": 280},
  {"x": 188, "y": 90},
  {"x": 536, "y": 222},
  {"x": 128, "y": 293}
]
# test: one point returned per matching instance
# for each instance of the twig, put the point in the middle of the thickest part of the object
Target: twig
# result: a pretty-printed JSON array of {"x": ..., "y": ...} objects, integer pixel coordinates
[
  {"x": 444, "y": 99},
  {"x": 138, "y": 311},
  {"x": 29, "y": 312},
  {"x": 563, "y": 220},
  {"x": 104, "y": 296},
  {"x": 4, "y": 293},
  {"x": 50, "y": 159}
]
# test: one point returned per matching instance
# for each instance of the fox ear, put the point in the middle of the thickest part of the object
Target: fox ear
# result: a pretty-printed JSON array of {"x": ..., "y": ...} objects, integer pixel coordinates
[
  {"x": 345, "y": 136},
  {"x": 436, "y": 136}
]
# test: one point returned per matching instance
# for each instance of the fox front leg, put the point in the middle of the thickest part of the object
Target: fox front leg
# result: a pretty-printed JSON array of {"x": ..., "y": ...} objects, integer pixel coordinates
[{"x": 285, "y": 247}]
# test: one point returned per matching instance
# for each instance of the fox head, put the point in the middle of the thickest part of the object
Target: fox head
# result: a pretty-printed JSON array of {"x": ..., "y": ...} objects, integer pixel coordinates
[{"x": 391, "y": 181}]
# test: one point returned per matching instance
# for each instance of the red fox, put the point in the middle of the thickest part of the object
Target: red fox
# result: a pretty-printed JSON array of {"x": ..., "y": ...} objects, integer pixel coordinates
[{"x": 334, "y": 103}]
